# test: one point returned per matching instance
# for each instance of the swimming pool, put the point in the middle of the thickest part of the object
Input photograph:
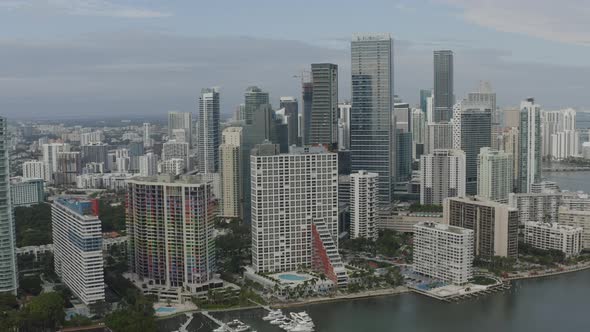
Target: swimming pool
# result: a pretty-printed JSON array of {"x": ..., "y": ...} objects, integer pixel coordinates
[
  {"x": 291, "y": 277},
  {"x": 165, "y": 310}
]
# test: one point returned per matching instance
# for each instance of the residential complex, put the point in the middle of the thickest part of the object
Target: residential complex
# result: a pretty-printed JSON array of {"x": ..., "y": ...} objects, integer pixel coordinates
[
  {"x": 494, "y": 175},
  {"x": 529, "y": 145},
  {"x": 363, "y": 205},
  {"x": 230, "y": 154},
  {"x": 209, "y": 131},
  {"x": 536, "y": 207},
  {"x": 442, "y": 175},
  {"x": 25, "y": 192},
  {"x": 577, "y": 218},
  {"x": 567, "y": 239},
  {"x": 8, "y": 267}
]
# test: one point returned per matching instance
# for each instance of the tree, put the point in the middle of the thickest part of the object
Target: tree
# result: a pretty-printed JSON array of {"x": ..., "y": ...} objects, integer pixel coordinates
[
  {"x": 138, "y": 317},
  {"x": 45, "y": 311}
]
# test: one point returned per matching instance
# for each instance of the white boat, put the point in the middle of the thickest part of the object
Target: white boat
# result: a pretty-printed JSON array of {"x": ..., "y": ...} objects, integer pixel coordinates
[
  {"x": 274, "y": 314},
  {"x": 279, "y": 321},
  {"x": 242, "y": 328}
]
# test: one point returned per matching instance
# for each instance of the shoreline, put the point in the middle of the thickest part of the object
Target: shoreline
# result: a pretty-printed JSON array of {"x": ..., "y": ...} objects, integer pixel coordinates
[{"x": 548, "y": 274}]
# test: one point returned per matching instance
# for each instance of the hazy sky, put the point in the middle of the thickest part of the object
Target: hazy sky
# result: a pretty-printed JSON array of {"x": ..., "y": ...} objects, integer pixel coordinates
[{"x": 95, "y": 58}]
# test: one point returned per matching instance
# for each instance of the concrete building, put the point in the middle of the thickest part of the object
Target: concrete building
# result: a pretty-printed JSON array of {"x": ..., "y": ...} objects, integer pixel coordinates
[
  {"x": 148, "y": 164},
  {"x": 254, "y": 98},
  {"x": 442, "y": 175},
  {"x": 512, "y": 117},
  {"x": 495, "y": 225},
  {"x": 69, "y": 166},
  {"x": 577, "y": 218},
  {"x": 560, "y": 139},
  {"x": 371, "y": 127},
  {"x": 530, "y": 145},
  {"x": 26, "y": 192},
  {"x": 94, "y": 153},
  {"x": 170, "y": 235},
  {"x": 443, "y": 252},
  {"x": 363, "y": 207},
  {"x": 444, "y": 97},
  {"x": 95, "y": 137},
  {"x": 418, "y": 133},
  {"x": 508, "y": 141},
  {"x": 33, "y": 169},
  {"x": 209, "y": 131},
  {"x": 291, "y": 114},
  {"x": 147, "y": 135},
  {"x": 324, "y": 107},
  {"x": 180, "y": 120},
  {"x": 173, "y": 166},
  {"x": 295, "y": 210},
  {"x": 50, "y": 152},
  {"x": 77, "y": 247},
  {"x": 438, "y": 136},
  {"x": 230, "y": 153},
  {"x": 344, "y": 125},
  {"x": 494, "y": 175},
  {"x": 8, "y": 266},
  {"x": 176, "y": 150},
  {"x": 536, "y": 207},
  {"x": 567, "y": 239}
]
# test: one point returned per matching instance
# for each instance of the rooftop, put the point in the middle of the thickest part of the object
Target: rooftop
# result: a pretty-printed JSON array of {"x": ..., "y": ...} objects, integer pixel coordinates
[{"x": 444, "y": 227}]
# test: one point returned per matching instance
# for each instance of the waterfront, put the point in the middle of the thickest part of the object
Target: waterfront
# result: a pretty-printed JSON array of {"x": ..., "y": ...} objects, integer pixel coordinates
[{"x": 555, "y": 303}]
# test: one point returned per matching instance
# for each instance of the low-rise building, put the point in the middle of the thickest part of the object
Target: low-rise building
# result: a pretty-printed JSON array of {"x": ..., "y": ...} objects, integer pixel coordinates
[
  {"x": 26, "y": 192},
  {"x": 443, "y": 252},
  {"x": 577, "y": 218},
  {"x": 536, "y": 207},
  {"x": 567, "y": 239}
]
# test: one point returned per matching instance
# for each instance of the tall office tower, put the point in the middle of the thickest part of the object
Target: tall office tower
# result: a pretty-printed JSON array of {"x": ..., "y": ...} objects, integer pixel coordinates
[
  {"x": 324, "y": 105},
  {"x": 403, "y": 156},
  {"x": 302, "y": 225},
  {"x": 443, "y": 252},
  {"x": 147, "y": 135},
  {"x": 33, "y": 169},
  {"x": 344, "y": 125},
  {"x": 77, "y": 247},
  {"x": 69, "y": 166},
  {"x": 291, "y": 114},
  {"x": 485, "y": 95},
  {"x": 494, "y": 175},
  {"x": 180, "y": 120},
  {"x": 438, "y": 136},
  {"x": 170, "y": 234},
  {"x": 371, "y": 129},
  {"x": 8, "y": 267},
  {"x": 424, "y": 95},
  {"x": 148, "y": 164},
  {"x": 94, "y": 137},
  {"x": 495, "y": 225},
  {"x": 472, "y": 130},
  {"x": 94, "y": 153},
  {"x": 307, "y": 97},
  {"x": 530, "y": 145},
  {"x": 442, "y": 175},
  {"x": 363, "y": 205},
  {"x": 536, "y": 207},
  {"x": 176, "y": 150},
  {"x": 50, "y": 152},
  {"x": 418, "y": 133},
  {"x": 26, "y": 192},
  {"x": 403, "y": 116},
  {"x": 444, "y": 98},
  {"x": 510, "y": 144},
  {"x": 254, "y": 98},
  {"x": 209, "y": 132},
  {"x": 230, "y": 159},
  {"x": 136, "y": 150}
]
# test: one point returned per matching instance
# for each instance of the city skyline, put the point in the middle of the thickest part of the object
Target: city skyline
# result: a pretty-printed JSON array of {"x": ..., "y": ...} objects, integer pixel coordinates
[{"x": 119, "y": 61}]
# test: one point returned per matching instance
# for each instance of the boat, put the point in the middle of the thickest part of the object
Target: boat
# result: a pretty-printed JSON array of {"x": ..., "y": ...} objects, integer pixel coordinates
[
  {"x": 274, "y": 314},
  {"x": 241, "y": 328},
  {"x": 280, "y": 321},
  {"x": 222, "y": 328}
]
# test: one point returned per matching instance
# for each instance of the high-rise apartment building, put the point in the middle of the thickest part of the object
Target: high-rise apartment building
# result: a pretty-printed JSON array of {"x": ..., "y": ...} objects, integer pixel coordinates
[
  {"x": 8, "y": 267},
  {"x": 363, "y": 205},
  {"x": 176, "y": 150},
  {"x": 209, "y": 132},
  {"x": 444, "y": 97},
  {"x": 26, "y": 192},
  {"x": 180, "y": 120},
  {"x": 495, "y": 225},
  {"x": 324, "y": 106},
  {"x": 442, "y": 175},
  {"x": 418, "y": 133},
  {"x": 567, "y": 239},
  {"x": 438, "y": 136},
  {"x": 494, "y": 175},
  {"x": 443, "y": 252},
  {"x": 69, "y": 166},
  {"x": 147, "y": 135},
  {"x": 170, "y": 229},
  {"x": 94, "y": 137},
  {"x": 560, "y": 138},
  {"x": 230, "y": 155},
  {"x": 536, "y": 207},
  {"x": 50, "y": 152},
  {"x": 510, "y": 144},
  {"x": 577, "y": 218},
  {"x": 33, "y": 169},
  {"x": 530, "y": 145},
  {"x": 148, "y": 164},
  {"x": 77, "y": 247},
  {"x": 371, "y": 128}
]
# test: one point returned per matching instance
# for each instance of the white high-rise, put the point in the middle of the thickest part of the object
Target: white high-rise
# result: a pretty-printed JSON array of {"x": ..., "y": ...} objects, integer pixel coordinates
[
  {"x": 536, "y": 207},
  {"x": 8, "y": 266},
  {"x": 50, "y": 152},
  {"x": 442, "y": 175},
  {"x": 180, "y": 120},
  {"x": 494, "y": 175},
  {"x": 230, "y": 157},
  {"x": 438, "y": 136},
  {"x": 530, "y": 145},
  {"x": 443, "y": 252},
  {"x": 209, "y": 131},
  {"x": 147, "y": 132},
  {"x": 176, "y": 150},
  {"x": 344, "y": 125},
  {"x": 567, "y": 239},
  {"x": 577, "y": 218},
  {"x": 363, "y": 208},
  {"x": 33, "y": 169},
  {"x": 148, "y": 164},
  {"x": 560, "y": 139},
  {"x": 77, "y": 247}
]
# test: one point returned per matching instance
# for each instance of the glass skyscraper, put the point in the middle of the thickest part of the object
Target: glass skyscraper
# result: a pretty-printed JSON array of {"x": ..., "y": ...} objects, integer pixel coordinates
[
  {"x": 371, "y": 128},
  {"x": 8, "y": 277},
  {"x": 443, "y": 85},
  {"x": 530, "y": 145},
  {"x": 255, "y": 98},
  {"x": 209, "y": 132},
  {"x": 324, "y": 107}
]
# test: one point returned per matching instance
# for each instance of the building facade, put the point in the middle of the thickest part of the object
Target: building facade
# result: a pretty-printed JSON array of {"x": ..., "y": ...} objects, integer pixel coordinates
[
  {"x": 232, "y": 197},
  {"x": 494, "y": 175},
  {"x": 442, "y": 175},
  {"x": 536, "y": 207},
  {"x": 8, "y": 267},
  {"x": 33, "y": 169},
  {"x": 577, "y": 218},
  {"x": 182, "y": 121},
  {"x": 209, "y": 132},
  {"x": 567, "y": 239},
  {"x": 324, "y": 107},
  {"x": 530, "y": 145},
  {"x": 26, "y": 192},
  {"x": 363, "y": 205},
  {"x": 444, "y": 97}
]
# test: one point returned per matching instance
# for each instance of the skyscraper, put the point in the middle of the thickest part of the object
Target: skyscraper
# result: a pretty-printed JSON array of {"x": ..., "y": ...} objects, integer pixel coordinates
[
  {"x": 371, "y": 130},
  {"x": 442, "y": 175},
  {"x": 180, "y": 120},
  {"x": 485, "y": 95},
  {"x": 530, "y": 145},
  {"x": 363, "y": 205},
  {"x": 176, "y": 150},
  {"x": 291, "y": 112},
  {"x": 344, "y": 126},
  {"x": 494, "y": 175},
  {"x": 472, "y": 130},
  {"x": 230, "y": 158},
  {"x": 77, "y": 247},
  {"x": 170, "y": 229},
  {"x": 444, "y": 98},
  {"x": 209, "y": 133},
  {"x": 147, "y": 140},
  {"x": 148, "y": 164},
  {"x": 254, "y": 98},
  {"x": 307, "y": 97},
  {"x": 50, "y": 152},
  {"x": 8, "y": 272},
  {"x": 324, "y": 107},
  {"x": 418, "y": 133},
  {"x": 438, "y": 136},
  {"x": 424, "y": 95}
]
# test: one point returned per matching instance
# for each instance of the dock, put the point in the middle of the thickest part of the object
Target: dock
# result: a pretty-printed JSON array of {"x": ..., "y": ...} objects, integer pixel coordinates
[{"x": 467, "y": 296}]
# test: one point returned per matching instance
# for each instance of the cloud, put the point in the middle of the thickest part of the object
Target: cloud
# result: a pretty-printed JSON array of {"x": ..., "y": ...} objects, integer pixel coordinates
[
  {"x": 147, "y": 74},
  {"x": 561, "y": 21},
  {"x": 102, "y": 8}
]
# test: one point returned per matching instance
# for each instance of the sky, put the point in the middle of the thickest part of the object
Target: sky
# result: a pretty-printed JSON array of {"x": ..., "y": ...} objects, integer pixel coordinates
[{"x": 101, "y": 58}]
